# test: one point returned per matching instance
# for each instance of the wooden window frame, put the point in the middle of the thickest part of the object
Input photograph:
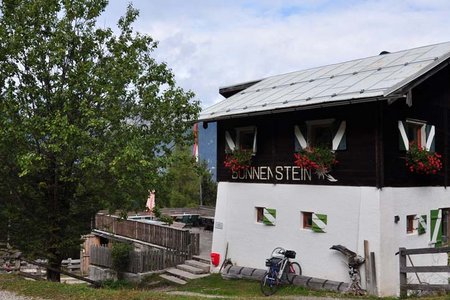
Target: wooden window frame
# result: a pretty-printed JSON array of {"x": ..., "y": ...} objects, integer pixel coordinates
[
  {"x": 420, "y": 134},
  {"x": 259, "y": 214},
  {"x": 306, "y": 220},
  {"x": 411, "y": 224}
]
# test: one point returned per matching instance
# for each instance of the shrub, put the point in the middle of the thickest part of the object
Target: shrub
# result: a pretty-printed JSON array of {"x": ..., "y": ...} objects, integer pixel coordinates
[
  {"x": 121, "y": 257},
  {"x": 166, "y": 219},
  {"x": 156, "y": 212}
]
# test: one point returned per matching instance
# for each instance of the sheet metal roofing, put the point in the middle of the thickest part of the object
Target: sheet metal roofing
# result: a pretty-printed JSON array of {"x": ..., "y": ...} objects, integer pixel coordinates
[{"x": 366, "y": 79}]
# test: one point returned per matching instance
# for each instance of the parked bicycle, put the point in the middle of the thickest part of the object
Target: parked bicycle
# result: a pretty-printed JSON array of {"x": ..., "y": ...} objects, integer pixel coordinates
[{"x": 280, "y": 270}]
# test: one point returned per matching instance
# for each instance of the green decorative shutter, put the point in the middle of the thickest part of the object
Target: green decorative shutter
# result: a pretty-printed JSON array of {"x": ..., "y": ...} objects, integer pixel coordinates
[
  {"x": 436, "y": 227},
  {"x": 319, "y": 222},
  {"x": 339, "y": 141},
  {"x": 422, "y": 224},
  {"x": 269, "y": 216},
  {"x": 300, "y": 137}
]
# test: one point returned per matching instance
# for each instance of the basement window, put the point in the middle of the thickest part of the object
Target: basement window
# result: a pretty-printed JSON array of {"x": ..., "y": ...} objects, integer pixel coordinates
[
  {"x": 306, "y": 219},
  {"x": 259, "y": 214},
  {"x": 411, "y": 224}
]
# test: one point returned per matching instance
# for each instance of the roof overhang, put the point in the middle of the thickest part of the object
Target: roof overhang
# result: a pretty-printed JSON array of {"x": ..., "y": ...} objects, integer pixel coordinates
[{"x": 326, "y": 104}]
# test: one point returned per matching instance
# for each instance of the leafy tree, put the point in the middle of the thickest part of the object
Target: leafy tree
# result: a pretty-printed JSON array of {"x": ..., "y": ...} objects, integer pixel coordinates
[
  {"x": 181, "y": 185},
  {"x": 86, "y": 117},
  {"x": 208, "y": 185}
]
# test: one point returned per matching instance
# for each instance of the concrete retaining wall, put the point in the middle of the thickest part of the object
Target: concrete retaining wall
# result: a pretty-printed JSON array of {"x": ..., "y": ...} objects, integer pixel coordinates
[{"x": 305, "y": 281}]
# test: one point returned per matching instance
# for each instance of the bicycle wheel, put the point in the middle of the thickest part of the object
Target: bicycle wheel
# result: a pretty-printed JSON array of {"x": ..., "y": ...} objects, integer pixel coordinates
[
  {"x": 293, "y": 269},
  {"x": 269, "y": 284}
]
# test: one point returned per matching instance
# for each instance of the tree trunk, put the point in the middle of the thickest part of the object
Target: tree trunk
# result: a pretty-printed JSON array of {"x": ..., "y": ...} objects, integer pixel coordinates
[{"x": 53, "y": 275}]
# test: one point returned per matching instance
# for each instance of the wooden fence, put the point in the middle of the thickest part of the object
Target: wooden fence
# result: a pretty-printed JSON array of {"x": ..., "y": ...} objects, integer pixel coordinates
[
  {"x": 167, "y": 237},
  {"x": 140, "y": 261},
  {"x": 404, "y": 269}
]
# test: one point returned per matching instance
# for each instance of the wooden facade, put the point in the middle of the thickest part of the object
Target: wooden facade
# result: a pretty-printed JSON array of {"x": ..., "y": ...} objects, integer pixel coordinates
[{"x": 372, "y": 156}]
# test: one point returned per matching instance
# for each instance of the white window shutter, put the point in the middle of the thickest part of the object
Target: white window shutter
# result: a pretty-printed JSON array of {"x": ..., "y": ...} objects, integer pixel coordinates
[
  {"x": 230, "y": 146},
  {"x": 339, "y": 139},
  {"x": 254, "y": 140},
  {"x": 403, "y": 138},
  {"x": 436, "y": 227},
  {"x": 430, "y": 133},
  {"x": 300, "y": 140}
]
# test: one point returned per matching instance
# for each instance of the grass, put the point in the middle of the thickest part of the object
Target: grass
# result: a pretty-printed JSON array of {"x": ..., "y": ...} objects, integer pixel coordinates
[{"x": 153, "y": 287}]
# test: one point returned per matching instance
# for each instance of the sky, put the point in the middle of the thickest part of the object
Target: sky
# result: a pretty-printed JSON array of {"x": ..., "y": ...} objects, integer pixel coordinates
[{"x": 216, "y": 43}]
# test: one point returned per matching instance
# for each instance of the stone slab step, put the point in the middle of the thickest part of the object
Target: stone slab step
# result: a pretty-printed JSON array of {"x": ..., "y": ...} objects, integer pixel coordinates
[
  {"x": 190, "y": 269},
  {"x": 202, "y": 259},
  {"x": 183, "y": 274},
  {"x": 173, "y": 279},
  {"x": 198, "y": 264}
]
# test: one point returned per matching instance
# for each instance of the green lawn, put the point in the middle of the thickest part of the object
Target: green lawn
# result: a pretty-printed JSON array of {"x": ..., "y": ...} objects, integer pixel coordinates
[{"x": 155, "y": 288}]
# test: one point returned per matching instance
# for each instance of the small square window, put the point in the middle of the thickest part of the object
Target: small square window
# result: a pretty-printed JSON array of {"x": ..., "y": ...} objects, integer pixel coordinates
[
  {"x": 411, "y": 223},
  {"x": 259, "y": 214},
  {"x": 306, "y": 219}
]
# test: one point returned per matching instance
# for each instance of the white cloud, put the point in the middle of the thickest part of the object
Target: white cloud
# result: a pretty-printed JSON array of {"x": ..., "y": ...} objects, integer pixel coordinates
[{"x": 209, "y": 44}]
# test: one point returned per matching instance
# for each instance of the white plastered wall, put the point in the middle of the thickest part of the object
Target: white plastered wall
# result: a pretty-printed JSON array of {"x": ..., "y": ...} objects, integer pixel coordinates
[
  {"x": 352, "y": 212},
  {"x": 402, "y": 202}
]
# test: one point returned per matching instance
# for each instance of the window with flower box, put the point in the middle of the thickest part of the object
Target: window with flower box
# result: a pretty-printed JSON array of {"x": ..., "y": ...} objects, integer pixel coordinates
[
  {"x": 416, "y": 132},
  {"x": 324, "y": 133},
  {"x": 241, "y": 138}
]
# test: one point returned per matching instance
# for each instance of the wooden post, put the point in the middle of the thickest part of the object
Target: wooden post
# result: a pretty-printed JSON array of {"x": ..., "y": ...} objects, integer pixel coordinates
[
  {"x": 367, "y": 267},
  {"x": 373, "y": 274},
  {"x": 402, "y": 265}
]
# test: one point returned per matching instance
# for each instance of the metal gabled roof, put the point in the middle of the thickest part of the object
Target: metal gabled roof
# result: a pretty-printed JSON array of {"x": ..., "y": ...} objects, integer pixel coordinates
[{"x": 363, "y": 79}]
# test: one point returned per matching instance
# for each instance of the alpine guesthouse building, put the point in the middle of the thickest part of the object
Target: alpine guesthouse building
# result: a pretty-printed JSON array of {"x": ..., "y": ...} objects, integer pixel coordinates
[{"x": 375, "y": 116}]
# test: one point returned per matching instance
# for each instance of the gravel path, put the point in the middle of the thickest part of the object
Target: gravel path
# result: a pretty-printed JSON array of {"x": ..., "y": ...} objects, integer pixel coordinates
[{"x": 4, "y": 295}]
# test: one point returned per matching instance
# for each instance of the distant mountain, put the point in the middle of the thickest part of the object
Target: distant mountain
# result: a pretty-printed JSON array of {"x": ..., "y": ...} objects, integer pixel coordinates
[{"x": 207, "y": 148}]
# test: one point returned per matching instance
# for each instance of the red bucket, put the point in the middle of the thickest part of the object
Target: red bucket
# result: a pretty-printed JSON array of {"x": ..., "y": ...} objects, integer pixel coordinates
[{"x": 215, "y": 258}]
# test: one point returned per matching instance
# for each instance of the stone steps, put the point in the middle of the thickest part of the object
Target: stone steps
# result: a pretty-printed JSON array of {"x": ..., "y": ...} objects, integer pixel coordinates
[
  {"x": 173, "y": 279},
  {"x": 183, "y": 274},
  {"x": 190, "y": 269},
  {"x": 195, "y": 268},
  {"x": 205, "y": 260},
  {"x": 197, "y": 264}
]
